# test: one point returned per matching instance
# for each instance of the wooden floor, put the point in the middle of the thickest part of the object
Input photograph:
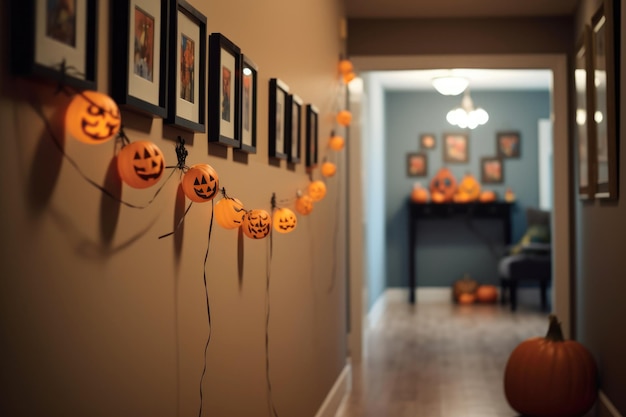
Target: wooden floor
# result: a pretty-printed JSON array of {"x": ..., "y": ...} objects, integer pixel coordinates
[{"x": 437, "y": 359}]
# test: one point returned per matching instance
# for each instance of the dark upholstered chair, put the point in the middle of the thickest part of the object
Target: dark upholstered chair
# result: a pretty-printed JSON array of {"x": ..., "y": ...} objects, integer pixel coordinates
[{"x": 529, "y": 260}]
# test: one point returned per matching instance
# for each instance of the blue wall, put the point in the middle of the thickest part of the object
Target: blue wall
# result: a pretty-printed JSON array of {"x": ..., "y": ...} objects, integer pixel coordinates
[{"x": 448, "y": 249}]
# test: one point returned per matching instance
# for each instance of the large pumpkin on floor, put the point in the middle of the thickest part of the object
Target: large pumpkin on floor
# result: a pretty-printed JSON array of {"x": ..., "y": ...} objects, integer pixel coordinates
[
  {"x": 443, "y": 182},
  {"x": 487, "y": 294},
  {"x": 465, "y": 285},
  {"x": 551, "y": 377}
]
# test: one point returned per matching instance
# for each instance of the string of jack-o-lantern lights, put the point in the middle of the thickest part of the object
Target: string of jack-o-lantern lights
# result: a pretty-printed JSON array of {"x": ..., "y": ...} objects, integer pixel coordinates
[{"x": 94, "y": 118}]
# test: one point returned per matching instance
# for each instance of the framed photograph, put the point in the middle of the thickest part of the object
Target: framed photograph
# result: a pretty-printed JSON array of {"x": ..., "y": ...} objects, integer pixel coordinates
[
  {"x": 312, "y": 120},
  {"x": 455, "y": 147},
  {"x": 585, "y": 136},
  {"x": 249, "y": 79},
  {"x": 139, "y": 64},
  {"x": 605, "y": 63},
  {"x": 278, "y": 100},
  {"x": 295, "y": 128},
  {"x": 508, "y": 144},
  {"x": 225, "y": 88},
  {"x": 186, "y": 105},
  {"x": 427, "y": 141},
  {"x": 55, "y": 41},
  {"x": 491, "y": 170},
  {"x": 416, "y": 164}
]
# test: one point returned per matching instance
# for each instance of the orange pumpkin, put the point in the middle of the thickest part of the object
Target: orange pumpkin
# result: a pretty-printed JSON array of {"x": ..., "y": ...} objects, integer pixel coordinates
[
  {"x": 345, "y": 66},
  {"x": 140, "y": 164},
  {"x": 317, "y": 190},
  {"x": 466, "y": 298},
  {"x": 487, "y": 196},
  {"x": 304, "y": 204},
  {"x": 92, "y": 117},
  {"x": 487, "y": 294},
  {"x": 470, "y": 187},
  {"x": 444, "y": 183},
  {"x": 509, "y": 195},
  {"x": 284, "y": 220},
  {"x": 336, "y": 142},
  {"x": 328, "y": 169},
  {"x": 461, "y": 198},
  {"x": 437, "y": 197},
  {"x": 551, "y": 377},
  {"x": 229, "y": 213},
  {"x": 200, "y": 183},
  {"x": 419, "y": 194},
  {"x": 256, "y": 224},
  {"x": 344, "y": 118}
]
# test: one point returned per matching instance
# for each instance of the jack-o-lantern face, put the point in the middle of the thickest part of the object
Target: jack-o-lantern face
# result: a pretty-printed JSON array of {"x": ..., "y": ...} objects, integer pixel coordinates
[
  {"x": 140, "y": 164},
  {"x": 470, "y": 187},
  {"x": 200, "y": 183},
  {"x": 344, "y": 117},
  {"x": 229, "y": 213},
  {"x": 92, "y": 117},
  {"x": 256, "y": 224},
  {"x": 443, "y": 182},
  {"x": 304, "y": 204},
  {"x": 317, "y": 190},
  {"x": 284, "y": 220},
  {"x": 328, "y": 169}
]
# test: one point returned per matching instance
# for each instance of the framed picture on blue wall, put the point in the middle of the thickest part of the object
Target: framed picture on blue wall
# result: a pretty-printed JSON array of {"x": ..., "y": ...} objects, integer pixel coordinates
[
  {"x": 416, "y": 164},
  {"x": 491, "y": 170},
  {"x": 455, "y": 147},
  {"x": 508, "y": 144}
]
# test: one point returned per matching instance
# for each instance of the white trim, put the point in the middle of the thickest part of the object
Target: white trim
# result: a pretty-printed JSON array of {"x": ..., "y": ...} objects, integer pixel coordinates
[
  {"x": 335, "y": 398},
  {"x": 608, "y": 404}
]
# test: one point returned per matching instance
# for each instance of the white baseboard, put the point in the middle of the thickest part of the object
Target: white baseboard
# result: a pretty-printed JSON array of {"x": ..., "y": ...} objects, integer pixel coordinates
[
  {"x": 608, "y": 405},
  {"x": 337, "y": 394}
]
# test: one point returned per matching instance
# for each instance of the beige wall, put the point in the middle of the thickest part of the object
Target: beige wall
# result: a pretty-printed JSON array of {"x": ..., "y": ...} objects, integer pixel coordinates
[{"x": 99, "y": 317}]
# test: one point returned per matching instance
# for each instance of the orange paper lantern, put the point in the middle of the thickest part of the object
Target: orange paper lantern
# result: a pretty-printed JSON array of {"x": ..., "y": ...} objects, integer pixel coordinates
[
  {"x": 200, "y": 183},
  {"x": 345, "y": 66},
  {"x": 256, "y": 224},
  {"x": 336, "y": 142},
  {"x": 344, "y": 117},
  {"x": 284, "y": 220},
  {"x": 140, "y": 164},
  {"x": 229, "y": 213},
  {"x": 348, "y": 77},
  {"x": 92, "y": 117},
  {"x": 328, "y": 169},
  {"x": 317, "y": 190},
  {"x": 304, "y": 204}
]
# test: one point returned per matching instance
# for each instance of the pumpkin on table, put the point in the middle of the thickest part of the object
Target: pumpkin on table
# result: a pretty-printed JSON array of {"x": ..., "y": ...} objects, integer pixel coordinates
[
  {"x": 470, "y": 187},
  {"x": 487, "y": 196},
  {"x": 419, "y": 194},
  {"x": 443, "y": 182},
  {"x": 550, "y": 376}
]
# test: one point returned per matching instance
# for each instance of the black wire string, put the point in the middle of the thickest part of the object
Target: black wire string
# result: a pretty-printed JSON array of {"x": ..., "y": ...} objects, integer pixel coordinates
[
  {"x": 270, "y": 401},
  {"x": 180, "y": 222},
  {"x": 208, "y": 307}
]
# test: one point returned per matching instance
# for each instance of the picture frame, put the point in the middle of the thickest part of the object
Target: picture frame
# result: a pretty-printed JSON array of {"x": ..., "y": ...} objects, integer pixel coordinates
[
  {"x": 455, "y": 147},
  {"x": 583, "y": 103},
  {"x": 312, "y": 135},
  {"x": 139, "y": 64},
  {"x": 225, "y": 78},
  {"x": 416, "y": 164},
  {"x": 605, "y": 67},
  {"x": 428, "y": 141},
  {"x": 186, "y": 103},
  {"x": 508, "y": 144},
  {"x": 249, "y": 81},
  {"x": 295, "y": 128},
  {"x": 53, "y": 51},
  {"x": 278, "y": 126},
  {"x": 491, "y": 170}
]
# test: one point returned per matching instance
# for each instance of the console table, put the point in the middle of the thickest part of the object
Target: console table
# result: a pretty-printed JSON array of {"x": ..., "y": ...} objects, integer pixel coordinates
[{"x": 497, "y": 210}]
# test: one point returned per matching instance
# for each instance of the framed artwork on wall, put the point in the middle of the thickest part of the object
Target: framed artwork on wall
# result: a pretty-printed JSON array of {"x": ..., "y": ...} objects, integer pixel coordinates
[
  {"x": 491, "y": 170},
  {"x": 605, "y": 66},
  {"x": 249, "y": 79},
  {"x": 427, "y": 141},
  {"x": 278, "y": 100},
  {"x": 139, "y": 64},
  {"x": 186, "y": 105},
  {"x": 455, "y": 147},
  {"x": 508, "y": 144},
  {"x": 312, "y": 120},
  {"x": 295, "y": 128},
  {"x": 55, "y": 43},
  {"x": 416, "y": 164}
]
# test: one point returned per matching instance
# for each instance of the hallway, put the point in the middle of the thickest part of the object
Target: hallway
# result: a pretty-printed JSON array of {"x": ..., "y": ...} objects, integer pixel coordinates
[{"x": 436, "y": 359}]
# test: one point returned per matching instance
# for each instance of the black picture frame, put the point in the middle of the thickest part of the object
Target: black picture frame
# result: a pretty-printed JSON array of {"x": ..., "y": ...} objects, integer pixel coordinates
[
  {"x": 312, "y": 135},
  {"x": 428, "y": 141},
  {"x": 508, "y": 144},
  {"x": 416, "y": 164},
  {"x": 295, "y": 128},
  {"x": 65, "y": 54},
  {"x": 186, "y": 91},
  {"x": 277, "y": 123},
  {"x": 139, "y": 55},
  {"x": 249, "y": 83},
  {"x": 492, "y": 170},
  {"x": 605, "y": 35},
  {"x": 225, "y": 78},
  {"x": 583, "y": 104},
  {"x": 455, "y": 147}
]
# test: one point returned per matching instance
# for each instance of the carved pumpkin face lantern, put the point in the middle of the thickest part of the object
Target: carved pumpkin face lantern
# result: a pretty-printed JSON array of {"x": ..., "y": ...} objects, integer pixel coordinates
[
  {"x": 344, "y": 117},
  {"x": 256, "y": 224},
  {"x": 304, "y": 204},
  {"x": 345, "y": 66},
  {"x": 336, "y": 143},
  {"x": 317, "y": 190},
  {"x": 284, "y": 220},
  {"x": 329, "y": 169},
  {"x": 229, "y": 213},
  {"x": 140, "y": 164},
  {"x": 470, "y": 187},
  {"x": 200, "y": 183},
  {"x": 92, "y": 117},
  {"x": 443, "y": 182}
]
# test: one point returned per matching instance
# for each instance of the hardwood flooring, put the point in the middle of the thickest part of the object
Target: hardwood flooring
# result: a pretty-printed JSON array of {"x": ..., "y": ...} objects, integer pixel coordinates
[{"x": 437, "y": 359}]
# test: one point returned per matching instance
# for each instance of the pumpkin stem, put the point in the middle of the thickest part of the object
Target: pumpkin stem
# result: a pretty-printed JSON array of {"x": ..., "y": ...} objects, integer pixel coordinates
[{"x": 555, "y": 333}]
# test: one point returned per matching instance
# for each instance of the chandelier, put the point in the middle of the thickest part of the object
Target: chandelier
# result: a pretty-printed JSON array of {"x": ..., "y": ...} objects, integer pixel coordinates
[
  {"x": 467, "y": 116},
  {"x": 450, "y": 85}
]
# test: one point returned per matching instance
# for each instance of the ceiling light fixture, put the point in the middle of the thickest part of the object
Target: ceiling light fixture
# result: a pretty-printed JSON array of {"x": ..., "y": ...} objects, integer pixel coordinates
[
  {"x": 467, "y": 115},
  {"x": 450, "y": 85}
]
